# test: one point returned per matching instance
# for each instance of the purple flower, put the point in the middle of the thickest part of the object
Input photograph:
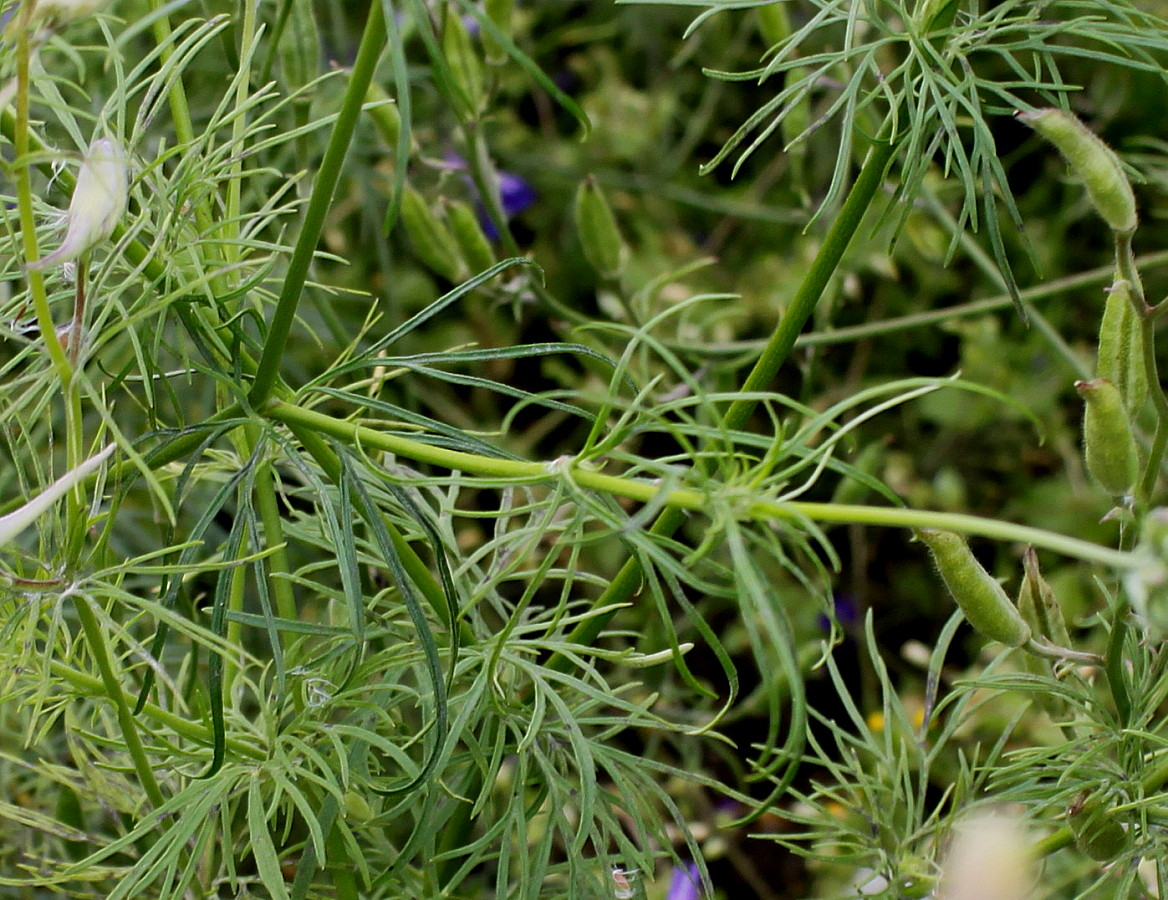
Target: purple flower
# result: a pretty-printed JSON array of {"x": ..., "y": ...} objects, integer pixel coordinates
[
  {"x": 515, "y": 193},
  {"x": 685, "y": 883}
]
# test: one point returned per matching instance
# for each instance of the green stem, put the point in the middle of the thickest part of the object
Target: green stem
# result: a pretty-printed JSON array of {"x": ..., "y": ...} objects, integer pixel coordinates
[
  {"x": 99, "y": 650},
  {"x": 86, "y": 685},
  {"x": 372, "y": 43},
  {"x": 310, "y": 423},
  {"x": 815, "y": 281},
  {"x": 21, "y": 143}
]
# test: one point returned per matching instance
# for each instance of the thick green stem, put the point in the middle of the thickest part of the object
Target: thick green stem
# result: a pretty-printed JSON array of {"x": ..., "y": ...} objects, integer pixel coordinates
[{"x": 372, "y": 43}]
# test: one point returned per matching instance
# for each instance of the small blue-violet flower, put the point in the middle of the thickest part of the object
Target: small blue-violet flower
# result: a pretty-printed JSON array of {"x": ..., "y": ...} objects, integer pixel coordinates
[
  {"x": 515, "y": 194},
  {"x": 685, "y": 883}
]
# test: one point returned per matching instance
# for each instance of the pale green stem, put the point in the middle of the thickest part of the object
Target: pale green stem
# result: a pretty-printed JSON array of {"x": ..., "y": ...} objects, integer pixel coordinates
[{"x": 744, "y": 506}]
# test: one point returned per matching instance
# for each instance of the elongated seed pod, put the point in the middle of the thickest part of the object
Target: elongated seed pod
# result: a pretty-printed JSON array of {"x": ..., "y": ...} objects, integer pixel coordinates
[
  {"x": 465, "y": 66},
  {"x": 1040, "y": 608},
  {"x": 1093, "y": 161},
  {"x": 432, "y": 240},
  {"x": 596, "y": 225},
  {"x": 1121, "y": 347},
  {"x": 1109, "y": 447},
  {"x": 984, "y": 601},
  {"x": 464, "y": 224}
]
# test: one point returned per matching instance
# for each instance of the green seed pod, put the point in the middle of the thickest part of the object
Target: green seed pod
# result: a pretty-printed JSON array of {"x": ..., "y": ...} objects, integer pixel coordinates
[
  {"x": 386, "y": 116},
  {"x": 500, "y": 12},
  {"x": 464, "y": 224},
  {"x": 432, "y": 241},
  {"x": 596, "y": 225},
  {"x": 773, "y": 23},
  {"x": 1108, "y": 444},
  {"x": 1121, "y": 347},
  {"x": 1093, "y": 161},
  {"x": 1097, "y": 831},
  {"x": 981, "y": 598},
  {"x": 465, "y": 67},
  {"x": 357, "y": 808}
]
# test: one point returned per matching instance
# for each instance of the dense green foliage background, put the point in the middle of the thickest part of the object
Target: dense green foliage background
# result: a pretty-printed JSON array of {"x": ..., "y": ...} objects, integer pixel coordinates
[{"x": 369, "y": 599}]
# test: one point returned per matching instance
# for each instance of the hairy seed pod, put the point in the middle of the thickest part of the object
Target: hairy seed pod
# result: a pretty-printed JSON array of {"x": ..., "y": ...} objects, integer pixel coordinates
[
  {"x": 1121, "y": 347},
  {"x": 465, "y": 67},
  {"x": 984, "y": 601},
  {"x": 468, "y": 234},
  {"x": 1109, "y": 447},
  {"x": 1040, "y": 608},
  {"x": 357, "y": 808},
  {"x": 1093, "y": 161},
  {"x": 432, "y": 241},
  {"x": 1097, "y": 831},
  {"x": 98, "y": 202},
  {"x": 596, "y": 225}
]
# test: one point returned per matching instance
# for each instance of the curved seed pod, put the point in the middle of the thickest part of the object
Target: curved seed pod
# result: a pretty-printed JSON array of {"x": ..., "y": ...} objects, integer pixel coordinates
[
  {"x": 984, "y": 602},
  {"x": 1098, "y": 832},
  {"x": 1093, "y": 161},
  {"x": 1109, "y": 447},
  {"x": 596, "y": 225},
  {"x": 1121, "y": 350},
  {"x": 432, "y": 241},
  {"x": 464, "y": 225},
  {"x": 98, "y": 202}
]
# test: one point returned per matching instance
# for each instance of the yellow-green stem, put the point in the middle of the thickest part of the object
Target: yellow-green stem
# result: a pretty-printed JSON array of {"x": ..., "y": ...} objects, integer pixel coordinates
[{"x": 745, "y": 506}]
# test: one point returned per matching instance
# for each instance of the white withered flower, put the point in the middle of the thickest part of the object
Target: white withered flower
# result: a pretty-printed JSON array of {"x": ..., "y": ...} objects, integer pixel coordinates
[
  {"x": 990, "y": 859},
  {"x": 99, "y": 200}
]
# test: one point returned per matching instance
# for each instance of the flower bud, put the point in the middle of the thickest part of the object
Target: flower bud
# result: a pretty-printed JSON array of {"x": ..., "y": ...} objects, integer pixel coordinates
[
  {"x": 98, "y": 203},
  {"x": 984, "y": 601},
  {"x": 1109, "y": 447},
  {"x": 596, "y": 225},
  {"x": 1121, "y": 347},
  {"x": 1093, "y": 161}
]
